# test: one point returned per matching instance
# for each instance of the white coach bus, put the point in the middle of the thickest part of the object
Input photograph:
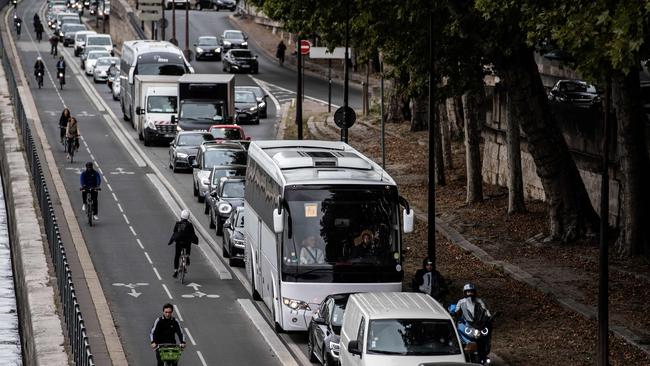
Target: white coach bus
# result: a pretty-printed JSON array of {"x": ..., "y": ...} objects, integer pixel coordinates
[
  {"x": 320, "y": 218},
  {"x": 146, "y": 57}
]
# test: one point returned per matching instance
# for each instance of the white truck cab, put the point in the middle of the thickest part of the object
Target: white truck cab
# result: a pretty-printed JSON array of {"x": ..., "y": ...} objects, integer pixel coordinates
[
  {"x": 156, "y": 100},
  {"x": 397, "y": 328}
]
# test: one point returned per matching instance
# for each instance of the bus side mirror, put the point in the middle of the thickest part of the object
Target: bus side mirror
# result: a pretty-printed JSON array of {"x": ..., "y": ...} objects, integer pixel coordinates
[
  {"x": 278, "y": 224},
  {"x": 131, "y": 72},
  {"x": 408, "y": 220}
]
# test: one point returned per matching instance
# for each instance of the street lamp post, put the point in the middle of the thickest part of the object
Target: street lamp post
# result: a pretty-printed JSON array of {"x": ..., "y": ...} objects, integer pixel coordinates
[
  {"x": 346, "y": 80},
  {"x": 431, "y": 213},
  {"x": 381, "y": 111},
  {"x": 299, "y": 87}
]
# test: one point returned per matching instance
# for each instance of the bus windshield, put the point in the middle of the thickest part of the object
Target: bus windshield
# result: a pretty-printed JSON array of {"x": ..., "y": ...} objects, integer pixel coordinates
[
  {"x": 160, "y": 68},
  {"x": 345, "y": 234}
]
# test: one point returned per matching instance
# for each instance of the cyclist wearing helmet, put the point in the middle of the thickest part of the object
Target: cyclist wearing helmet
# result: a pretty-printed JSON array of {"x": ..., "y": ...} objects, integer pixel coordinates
[
  {"x": 39, "y": 66},
  {"x": 184, "y": 236},
  {"x": 467, "y": 305},
  {"x": 90, "y": 180}
]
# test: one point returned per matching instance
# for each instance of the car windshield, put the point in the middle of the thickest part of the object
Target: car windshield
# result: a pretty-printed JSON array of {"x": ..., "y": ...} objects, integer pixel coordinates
[
  {"x": 336, "y": 317},
  {"x": 226, "y": 133},
  {"x": 100, "y": 41},
  {"x": 218, "y": 157},
  {"x": 208, "y": 41},
  {"x": 245, "y": 97},
  {"x": 81, "y": 37},
  {"x": 217, "y": 174},
  {"x": 233, "y": 35},
  {"x": 70, "y": 20},
  {"x": 202, "y": 111},
  {"x": 96, "y": 55},
  {"x": 572, "y": 87},
  {"x": 162, "y": 104},
  {"x": 233, "y": 190},
  {"x": 257, "y": 91},
  {"x": 160, "y": 68},
  {"x": 104, "y": 61},
  {"x": 191, "y": 139},
  {"x": 241, "y": 54},
  {"x": 73, "y": 28},
  {"x": 412, "y": 337}
]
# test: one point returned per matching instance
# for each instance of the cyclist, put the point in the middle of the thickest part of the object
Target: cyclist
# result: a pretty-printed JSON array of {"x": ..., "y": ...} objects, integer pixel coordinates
[
  {"x": 164, "y": 331},
  {"x": 39, "y": 66},
  {"x": 18, "y": 23},
  {"x": 63, "y": 123},
  {"x": 72, "y": 135},
  {"x": 60, "y": 67},
  {"x": 38, "y": 28},
  {"x": 184, "y": 236},
  {"x": 90, "y": 180}
]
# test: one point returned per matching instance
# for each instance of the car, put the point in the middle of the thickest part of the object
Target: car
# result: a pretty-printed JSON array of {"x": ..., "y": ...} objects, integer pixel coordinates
[
  {"x": 56, "y": 20},
  {"x": 233, "y": 39},
  {"x": 227, "y": 197},
  {"x": 216, "y": 5},
  {"x": 233, "y": 237},
  {"x": 66, "y": 18},
  {"x": 80, "y": 41},
  {"x": 239, "y": 61},
  {"x": 183, "y": 148},
  {"x": 324, "y": 331},
  {"x": 246, "y": 107},
  {"x": 214, "y": 178},
  {"x": 211, "y": 154},
  {"x": 52, "y": 14},
  {"x": 228, "y": 132},
  {"x": 100, "y": 72},
  {"x": 104, "y": 9},
  {"x": 177, "y": 4},
  {"x": 68, "y": 32},
  {"x": 91, "y": 60},
  {"x": 575, "y": 92},
  {"x": 85, "y": 52},
  {"x": 260, "y": 95},
  {"x": 207, "y": 47},
  {"x": 102, "y": 40}
]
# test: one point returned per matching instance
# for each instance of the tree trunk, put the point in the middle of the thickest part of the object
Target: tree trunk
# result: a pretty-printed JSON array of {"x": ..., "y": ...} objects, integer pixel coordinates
[
  {"x": 419, "y": 113},
  {"x": 571, "y": 214},
  {"x": 439, "y": 161},
  {"x": 398, "y": 103},
  {"x": 446, "y": 135},
  {"x": 458, "y": 120},
  {"x": 634, "y": 162},
  {"x": 515, "y": 179},
  {"x": 471, "y": 112}
]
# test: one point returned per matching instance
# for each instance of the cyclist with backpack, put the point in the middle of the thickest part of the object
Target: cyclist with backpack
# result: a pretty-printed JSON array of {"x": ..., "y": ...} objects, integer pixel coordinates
[{"x": 184, "y": 236}]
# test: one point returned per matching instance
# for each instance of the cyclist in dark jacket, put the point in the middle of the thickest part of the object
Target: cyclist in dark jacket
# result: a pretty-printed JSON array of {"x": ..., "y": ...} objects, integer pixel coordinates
[
  {"x": 90, "y": 180},
  {"x": 184, "y": 236},
  {"x": 164, "y": 331},
  {"x": 63, "y": 122}
]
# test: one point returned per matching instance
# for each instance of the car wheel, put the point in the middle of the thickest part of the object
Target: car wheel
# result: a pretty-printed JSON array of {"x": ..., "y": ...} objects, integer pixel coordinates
[
  {"x": 233, "y": 262},
  {"x": 310, "y": 349},
  {"x": 219, "y": 227},
  {"x": 223, "y": 68},
  {"x": 95, "y": 80},
  {"x": 147, "y": 141},
  {"x": 200, "y": 198},
  {"x": 326, "y": 359},
  {"x": 174, "y": 167},
  {"x": 212, "y": 225}
]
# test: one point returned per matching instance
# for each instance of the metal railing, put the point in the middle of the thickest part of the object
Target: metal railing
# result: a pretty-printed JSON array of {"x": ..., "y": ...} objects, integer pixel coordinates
[
  {"x": 135, "y": 23},
  {"x": 76, "y": 328}
]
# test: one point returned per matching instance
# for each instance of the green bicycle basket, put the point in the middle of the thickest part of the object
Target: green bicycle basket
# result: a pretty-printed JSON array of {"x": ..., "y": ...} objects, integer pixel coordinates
[{"x": 170, "y": 353}]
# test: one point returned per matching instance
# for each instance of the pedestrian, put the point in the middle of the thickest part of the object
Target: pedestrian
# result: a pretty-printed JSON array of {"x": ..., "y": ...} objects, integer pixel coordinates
[
  {"x": 279, "y": 53},
  {"x": 54, "y": 42},
  {"x": 164, "y": 332},
  {"x": 38, "y": 28},
  {"x": 429, "y": 282}
]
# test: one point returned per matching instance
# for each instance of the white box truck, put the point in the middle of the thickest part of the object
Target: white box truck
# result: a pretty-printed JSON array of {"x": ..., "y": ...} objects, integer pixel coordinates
[
  {"x": 156, "y": 101},
  {"x": 205, "y": 100}
]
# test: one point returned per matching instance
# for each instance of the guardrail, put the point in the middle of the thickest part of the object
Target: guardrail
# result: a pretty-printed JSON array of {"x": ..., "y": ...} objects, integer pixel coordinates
[
  {"x": 135, "y": 23},
  {"x": 76, "y": 328}
]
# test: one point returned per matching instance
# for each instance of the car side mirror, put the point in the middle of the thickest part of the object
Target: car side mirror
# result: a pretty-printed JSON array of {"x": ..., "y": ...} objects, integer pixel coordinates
[
  {"x": 248, "y": 138},
  {"x": 172, "y": 144},
  {"x": 213, "y": 193},
  {"x": 227, "y": 224},
  {"x": 353, "y": 347},
  {"x": 195, "y": 165}
]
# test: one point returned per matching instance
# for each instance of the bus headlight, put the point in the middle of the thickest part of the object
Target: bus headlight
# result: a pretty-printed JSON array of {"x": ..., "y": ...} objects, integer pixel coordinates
[
  {"x": 295, "y": 304},
  {"x": 225, "y": 208}
]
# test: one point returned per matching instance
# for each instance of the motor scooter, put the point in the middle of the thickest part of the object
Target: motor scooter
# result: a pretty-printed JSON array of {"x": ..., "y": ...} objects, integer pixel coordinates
[{"x": 476, "y": 335}]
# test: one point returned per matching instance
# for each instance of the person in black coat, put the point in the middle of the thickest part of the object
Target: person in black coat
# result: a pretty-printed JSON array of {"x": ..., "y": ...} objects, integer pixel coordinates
[
  {"x": 428, "y": 282},
  {"x": 63, "y": 123},
  {"x": 184, "y": 236},
  {"x": 165, "y": 330}
]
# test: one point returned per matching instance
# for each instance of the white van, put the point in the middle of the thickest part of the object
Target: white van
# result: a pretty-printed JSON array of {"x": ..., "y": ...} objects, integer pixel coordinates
[
  {"x": 397, "y": 328},
  {"x": 103, "y": 40},
  {"x": 80, "y": 41}
]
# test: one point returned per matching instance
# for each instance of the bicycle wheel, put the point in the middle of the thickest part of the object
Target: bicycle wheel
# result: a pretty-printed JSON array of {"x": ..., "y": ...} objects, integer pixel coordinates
[
  {"x": 183, "y": 266},
  {"x": 89, "y": 210}
]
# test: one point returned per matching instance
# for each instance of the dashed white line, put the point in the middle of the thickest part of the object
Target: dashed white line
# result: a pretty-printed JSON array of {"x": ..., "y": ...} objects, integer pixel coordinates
[
  {"x": 178, "y": 312},
  {"x": 120, "y": 207},
  {"x": 92, "y": 157},
  {"x": 133, "y": 231},
  {"x": 198, "y": 353},
  {"x": 126, "y": 219},
  {"x": 114, "y": 196},
  {"x": 168, "y": 293},
  {"x": 110, "y": 188},
  {"x": 140, "y": 243},
  {"x": 189, "y": 335},
  {"x": 148, "y": 258},
  {"x": 157, "y": 274}
]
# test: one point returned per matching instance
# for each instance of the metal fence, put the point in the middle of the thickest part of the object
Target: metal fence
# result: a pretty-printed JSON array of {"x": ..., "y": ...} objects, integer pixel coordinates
[{"x": 76, "y": 328}]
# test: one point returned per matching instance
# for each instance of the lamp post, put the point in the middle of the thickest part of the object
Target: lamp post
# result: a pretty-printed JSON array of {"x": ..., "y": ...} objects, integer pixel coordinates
[
  {"x": 174, "y": 23},
  {"x": 431, "y": 213},
  {"x": 381, "y": 111},
  {"x": 163, "y": 22},
  {"x": 299, "y": 89},
  {"x": 346, "y": 80}
]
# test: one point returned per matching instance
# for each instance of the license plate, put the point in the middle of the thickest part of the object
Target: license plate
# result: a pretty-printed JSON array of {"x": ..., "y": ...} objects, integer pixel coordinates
[
  {"x": 208, "y": 53},
  {"x": 245, "y": 66},
  {"x": 169, "y": 135}
]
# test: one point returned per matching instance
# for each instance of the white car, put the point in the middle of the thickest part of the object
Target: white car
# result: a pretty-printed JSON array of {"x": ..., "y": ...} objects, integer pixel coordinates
[
  {"x": 91, "y": 60},
  {"x": 100, "y": 72},
  {"x": 103, "y": 40}
]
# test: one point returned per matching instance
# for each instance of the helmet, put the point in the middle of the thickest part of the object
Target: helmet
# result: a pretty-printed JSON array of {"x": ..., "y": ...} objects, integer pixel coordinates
[
  {"x": 469, "y": 289},
  {"x": 185, "y": 214},
  {"x": 113, "y": 62},
  {"x": 89, "y": 164},
  {"x": 39, "y": 58}
]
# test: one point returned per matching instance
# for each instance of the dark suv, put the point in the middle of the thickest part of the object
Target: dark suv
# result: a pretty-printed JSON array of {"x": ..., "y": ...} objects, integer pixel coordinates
[
  {"x": 227, "y": 197},
  {"x": 575, "y": 92},
  {"x": 211, "y": 154},
  {"x": 231, "y": 39},
  {"x": 240, "y": 61},
  {"x": 215, "y": 4}
]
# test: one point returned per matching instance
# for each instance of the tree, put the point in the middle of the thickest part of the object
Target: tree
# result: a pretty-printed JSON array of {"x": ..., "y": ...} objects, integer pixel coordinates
[
  {"x": 515, "y": 179},
  {"x": 472, "y": 112}
]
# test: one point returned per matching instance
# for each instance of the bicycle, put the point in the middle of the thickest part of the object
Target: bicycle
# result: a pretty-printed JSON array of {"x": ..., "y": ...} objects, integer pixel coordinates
[
  {"x": 169, "y": 353},
  {"x": 39, "y": 79},
  {"x": 90, "y": 203},
  {"x": 182, "y": 265},
  {"x": 71, "y": 147}
]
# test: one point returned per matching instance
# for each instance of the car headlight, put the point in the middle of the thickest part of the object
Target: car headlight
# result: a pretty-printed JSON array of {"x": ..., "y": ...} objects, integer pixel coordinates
[
  {"x": 252, "y": 109},
  {"x": 244, "y": 44},
  {"x": 181, "y": 155},
  {"x": 239, "y": 243},
  {"x": 61, "y": 34},
  {"x": 295, "y": 304},
  {"x": 225, "y": 208},
  {"x": 226, "y": 43},
  {"x": 334, "y": 349},
  {"x": 199, "y": 50}
]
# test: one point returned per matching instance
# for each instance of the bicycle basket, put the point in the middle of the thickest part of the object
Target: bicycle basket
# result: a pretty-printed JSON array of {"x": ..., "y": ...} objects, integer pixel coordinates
[{"x": 169, "y": 353}]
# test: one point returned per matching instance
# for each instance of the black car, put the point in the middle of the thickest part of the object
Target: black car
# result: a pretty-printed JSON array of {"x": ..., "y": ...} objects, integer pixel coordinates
[
  {"x": 207, "y": 47},
  {"x": 575, "y": 92},
  {"x": 183, "y": 149},
  {"x": 218, "y": 172},
  {"x": 68, "y": 31},
  {"x": 232, "y": 39},
  {"x": 324, "y": 330},
  {"x": 246, "y": 107},
  {"x": 233, "y": 237},
  {"x": 260, "y": 95},
  {"x": 215, "y": 4},
  {"x": 240, "y": 61},
  {"x": 227, "y": 197}
]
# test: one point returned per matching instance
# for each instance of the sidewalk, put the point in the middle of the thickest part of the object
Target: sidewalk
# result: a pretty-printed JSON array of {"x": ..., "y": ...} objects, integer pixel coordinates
[{"x": 546, "y": 292}]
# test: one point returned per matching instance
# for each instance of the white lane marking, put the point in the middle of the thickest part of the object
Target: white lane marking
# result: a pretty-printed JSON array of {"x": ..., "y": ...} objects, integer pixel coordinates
[
  {"x": 126, "y": 219},
  {"x": 157, "y": 274},
  {"x": 120, "y": 208},
  {"x": 92, "y": 157},
  {"x": 133, "y": 231},
  {"x": 217, "y": 265},
  {"x": 189, "y": 336},
  {"x": 198, "y": 353},
  {"x": 148, "y": 258},
  {"x": 178, "y": 312},
  {"x": 140, "y": 243},
  {"x": 168, "y": 293},
  {"x": 271, "y": 338},
  {"x": 262, "y": 85},
  {"x": 306, "y": 96},
  {"x": 114, "y": 196}
]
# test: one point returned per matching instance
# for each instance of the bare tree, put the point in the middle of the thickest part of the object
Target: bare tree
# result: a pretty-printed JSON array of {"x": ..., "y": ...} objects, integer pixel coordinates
[
  {"x": 472, "y": 112},
  {"x": 515, "y": 179},
  {"x": 443, "y": 117}
]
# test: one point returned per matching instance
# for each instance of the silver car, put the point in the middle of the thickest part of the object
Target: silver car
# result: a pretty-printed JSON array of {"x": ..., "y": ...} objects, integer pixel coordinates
[
  {"x": 211, "y": 154},
  {"x": 91, "y": 60},
  {"x": 100, "y": 72}
]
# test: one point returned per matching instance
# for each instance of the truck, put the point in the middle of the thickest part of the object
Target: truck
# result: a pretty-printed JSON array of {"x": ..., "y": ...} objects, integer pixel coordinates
[
  {"x": 156, "y": 100},
  {"x": 205, "y": 100}
]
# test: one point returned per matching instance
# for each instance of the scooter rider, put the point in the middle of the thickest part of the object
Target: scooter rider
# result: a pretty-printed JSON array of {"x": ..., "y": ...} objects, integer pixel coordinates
[{"x": 466, "y": 307}]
